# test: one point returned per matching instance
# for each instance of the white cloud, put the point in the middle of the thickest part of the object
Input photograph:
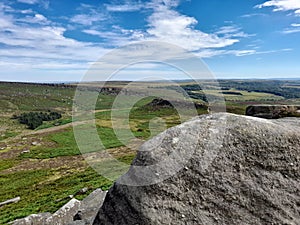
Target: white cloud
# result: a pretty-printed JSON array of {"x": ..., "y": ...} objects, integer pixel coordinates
[
  {"x": 168, "y": 25},
  {"x": 253, "y": 15},
  {"x": 86, "y": 19},
  {"x": 291, "y": 30},
  {"x": 283, "y": 5},
  {"x": 294, "y": 28},
  {"x": 36, "y": 19},
  {"x": 124, "y": 8},
  {"x": 232, "y": 31},
  {"x": 295, "y": 24},
  {"x": 42, "y": 45},
  {"x": 89, "y": 15},
  {"x": 208, "y": 53},
  {"x": 43, "y": 3},
  {"x": 31, "y": 2},
  {"x": 117, "y": 36}
]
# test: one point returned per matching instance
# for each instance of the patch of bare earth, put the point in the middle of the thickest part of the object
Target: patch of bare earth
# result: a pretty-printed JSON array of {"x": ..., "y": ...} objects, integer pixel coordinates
[{"x": 67, "y": 162}]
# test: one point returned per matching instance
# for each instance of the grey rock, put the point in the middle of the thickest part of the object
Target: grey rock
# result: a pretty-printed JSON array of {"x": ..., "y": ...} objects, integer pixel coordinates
[
  {"x": 25, "y": 151},
  {"x": 72, "y": 213},
  {"x": 64, "y": 215},
  {"x": 10, "y": 201},
  {"x": 33, "y": 219},
  {"x": 240, "y": 170},
  {"x": 89, "y": 207},
  {"x": 273, "y": 111}
]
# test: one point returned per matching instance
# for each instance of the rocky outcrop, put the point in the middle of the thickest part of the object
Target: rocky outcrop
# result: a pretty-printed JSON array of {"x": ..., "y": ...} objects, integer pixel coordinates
[
  {"x": 273, "y": 111},
  {"x": 73, "y": 213},
  {"x": 232, "y": 169},
  {"x": 158, "y": 103}
]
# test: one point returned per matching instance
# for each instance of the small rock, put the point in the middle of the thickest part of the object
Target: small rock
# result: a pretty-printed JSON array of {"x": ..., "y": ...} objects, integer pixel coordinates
[
  {"x": 83, "y": 190},
  {"x": 25, "y": 151},
  {"x": 34, "y": 143}
]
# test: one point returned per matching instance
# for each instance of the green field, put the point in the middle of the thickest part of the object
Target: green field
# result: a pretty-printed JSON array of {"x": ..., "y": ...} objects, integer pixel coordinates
[{"x": 244, "y": 95}]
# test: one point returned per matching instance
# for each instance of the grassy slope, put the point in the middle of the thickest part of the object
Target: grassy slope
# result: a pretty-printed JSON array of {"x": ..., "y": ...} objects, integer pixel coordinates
[{"x": 45, "y": 185}]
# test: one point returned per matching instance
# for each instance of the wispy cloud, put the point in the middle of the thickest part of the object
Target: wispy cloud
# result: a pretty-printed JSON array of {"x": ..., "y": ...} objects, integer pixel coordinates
[
  {"x": 44, "y": 43},
  {"x": 35, "y": 19},
  {"x": 117, "y": 36},
  {"x": 292, "y": 29},
  {"x": 254, "y": 15},
  {"x": 295, "y": 24},
  {"x": 239, "y": 53},
  {"x": 31, "y": 2},
  {"x": 127, "y": 7},
  {"x": 89, "y": 15},
  {"x": 87, "y": 19},
  {"x": 233, "y": 31},
  {"x": 44, "y": 3},
  {"x": 282, "y": 5}
]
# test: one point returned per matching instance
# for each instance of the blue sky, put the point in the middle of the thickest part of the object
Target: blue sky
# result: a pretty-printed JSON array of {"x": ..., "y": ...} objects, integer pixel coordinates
[{"x": 58, "y": 40}]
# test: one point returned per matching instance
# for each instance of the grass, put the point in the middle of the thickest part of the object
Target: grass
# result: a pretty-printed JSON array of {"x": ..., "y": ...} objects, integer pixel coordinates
[
  {"x": 55, "y": 123},
  {"x": 7, "y": 163},
  {"x": 64, "y": 143},
  {"x": 38, "y": 195},
  {"x": 244, "y": 95},
  {"x": 30, "y": 97},
  {"x": 8, "y": 134}
]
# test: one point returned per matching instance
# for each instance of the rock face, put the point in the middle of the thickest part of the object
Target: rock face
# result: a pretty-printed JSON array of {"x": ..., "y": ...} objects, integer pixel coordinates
[
  {"x": 73, "y": 213},
  {"x": 273, "y": 111},
  {"x": 243, "y": 170}
]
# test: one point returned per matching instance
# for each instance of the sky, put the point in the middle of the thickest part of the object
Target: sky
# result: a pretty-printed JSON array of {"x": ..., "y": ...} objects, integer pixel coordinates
[{"x": 59, "y": 40}]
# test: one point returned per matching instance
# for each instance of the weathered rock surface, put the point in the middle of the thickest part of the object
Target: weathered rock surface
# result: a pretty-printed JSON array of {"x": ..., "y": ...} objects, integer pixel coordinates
[
  {"x": 73, "y": 213},
  {"x": 250, "y": 176},
  {"x": 89, "y": 207},
  {"x": 273, "y": 111}
]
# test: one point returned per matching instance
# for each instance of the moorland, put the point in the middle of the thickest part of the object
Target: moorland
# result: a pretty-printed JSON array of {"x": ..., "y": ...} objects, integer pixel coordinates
[{"x": 42, "y": 163}]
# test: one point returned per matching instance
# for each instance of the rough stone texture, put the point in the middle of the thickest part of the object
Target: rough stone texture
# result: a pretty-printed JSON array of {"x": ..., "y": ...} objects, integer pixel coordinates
[
  {"x": 33, "y": 219},
  {"x": 252, "y": 177},
  {"x": 73, "y": 213},
  {"x": 65, "y": 214},
  {"x": 89, "y": 207},
  {"x": 273, "y": 111}
]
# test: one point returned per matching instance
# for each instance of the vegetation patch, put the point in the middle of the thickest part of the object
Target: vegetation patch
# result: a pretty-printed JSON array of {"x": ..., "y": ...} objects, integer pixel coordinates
[
  {"x": 6, "y": 164},
  {"x": 39, "y": 196},
  {"x": 8, "y": 134},
  {"x": 35, "y": 119}
]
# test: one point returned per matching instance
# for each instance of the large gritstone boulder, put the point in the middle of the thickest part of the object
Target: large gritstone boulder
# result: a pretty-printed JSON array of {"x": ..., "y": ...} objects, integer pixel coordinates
[{"x": 213, "y": 170}]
